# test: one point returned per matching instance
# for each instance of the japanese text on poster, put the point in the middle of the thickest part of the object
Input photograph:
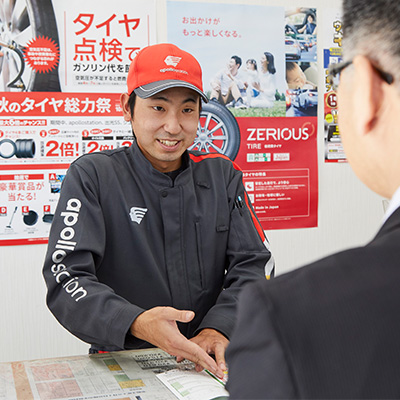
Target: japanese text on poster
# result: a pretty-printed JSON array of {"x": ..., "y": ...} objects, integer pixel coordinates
[
  {"x": 263, "y": 108},
  {"x": 60, "y": 99}
]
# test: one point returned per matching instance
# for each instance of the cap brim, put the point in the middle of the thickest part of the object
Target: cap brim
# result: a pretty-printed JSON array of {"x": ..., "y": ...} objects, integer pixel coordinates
[{"x": 153, "y": 88}]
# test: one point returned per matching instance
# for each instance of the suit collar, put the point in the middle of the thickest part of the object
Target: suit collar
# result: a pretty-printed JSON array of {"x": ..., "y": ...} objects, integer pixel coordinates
[{"x": 391, "y": 223}]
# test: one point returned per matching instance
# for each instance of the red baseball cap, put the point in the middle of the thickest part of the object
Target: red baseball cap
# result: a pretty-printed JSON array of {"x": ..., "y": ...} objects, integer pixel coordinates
[{"x": 162, "y": 66}]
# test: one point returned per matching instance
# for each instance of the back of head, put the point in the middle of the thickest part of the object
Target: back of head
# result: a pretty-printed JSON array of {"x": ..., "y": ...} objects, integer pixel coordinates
[{"x": 371, "y": 28}]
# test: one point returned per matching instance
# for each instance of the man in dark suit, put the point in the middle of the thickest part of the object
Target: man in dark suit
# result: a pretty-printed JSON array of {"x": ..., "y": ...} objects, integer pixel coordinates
[{"x": 332, "y": 329}]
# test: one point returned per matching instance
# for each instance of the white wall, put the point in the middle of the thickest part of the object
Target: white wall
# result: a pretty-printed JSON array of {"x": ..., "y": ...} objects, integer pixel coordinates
[{"x": 349, "y": 215}]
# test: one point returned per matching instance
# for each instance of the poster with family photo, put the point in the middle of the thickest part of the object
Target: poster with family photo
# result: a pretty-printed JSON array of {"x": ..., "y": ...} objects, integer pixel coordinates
[
  {"x": 240, "y": 49},
  {"x": 259, "y": 71}
]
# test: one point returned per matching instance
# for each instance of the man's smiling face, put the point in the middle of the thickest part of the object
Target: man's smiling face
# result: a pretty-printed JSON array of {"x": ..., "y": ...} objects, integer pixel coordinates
[{"x": 165, "y": 125}]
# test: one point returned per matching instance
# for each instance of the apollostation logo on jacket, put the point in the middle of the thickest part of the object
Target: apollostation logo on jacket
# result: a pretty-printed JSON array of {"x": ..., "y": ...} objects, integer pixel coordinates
[
  {"x": 63, "y": 247},
  {"x": 137, "y": 214}
]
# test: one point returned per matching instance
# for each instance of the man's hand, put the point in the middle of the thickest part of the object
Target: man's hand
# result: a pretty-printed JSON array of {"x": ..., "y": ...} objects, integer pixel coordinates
[
  {"x": 212, "y": 342},
  {"x": 158, "y": 327}
]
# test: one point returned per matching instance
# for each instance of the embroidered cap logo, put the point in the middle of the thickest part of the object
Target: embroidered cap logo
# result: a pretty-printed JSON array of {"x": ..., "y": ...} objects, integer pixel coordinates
[
  {"x": 137, "y": 214},
  {"x": 163, "y": 66},
  {"x": 172, "y": 60}
]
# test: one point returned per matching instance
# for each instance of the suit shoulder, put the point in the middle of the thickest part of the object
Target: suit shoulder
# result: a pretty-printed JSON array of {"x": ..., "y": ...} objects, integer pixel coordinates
[{"x": 352, "y": 271}]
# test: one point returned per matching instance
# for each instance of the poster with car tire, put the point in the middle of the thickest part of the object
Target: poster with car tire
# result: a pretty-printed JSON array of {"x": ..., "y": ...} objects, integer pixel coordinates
[
  {"x": 334, "y": 152},
  {"x": 63, "y": 65},
  {"x": 260, "y": 72}
]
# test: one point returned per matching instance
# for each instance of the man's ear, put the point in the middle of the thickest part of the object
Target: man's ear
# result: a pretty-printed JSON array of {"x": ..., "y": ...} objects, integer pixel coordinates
[
  {"x": 367, "y": 94},
  {"x": 124, "y": 100}
]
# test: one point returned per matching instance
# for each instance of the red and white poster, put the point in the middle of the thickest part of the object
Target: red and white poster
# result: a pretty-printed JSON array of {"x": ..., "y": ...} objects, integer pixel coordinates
[
  {"x": 63, "y": 67},
  {"x": 260, "y": 72},
  {"x": 278, "y": 158}
]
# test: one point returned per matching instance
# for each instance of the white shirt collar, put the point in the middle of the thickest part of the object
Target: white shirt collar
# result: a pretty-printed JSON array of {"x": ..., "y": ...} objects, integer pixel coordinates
[{"x": 393, "y": 205}]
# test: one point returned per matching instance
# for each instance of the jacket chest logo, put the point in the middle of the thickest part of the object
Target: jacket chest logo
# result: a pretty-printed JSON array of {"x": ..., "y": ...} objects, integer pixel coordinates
[{"x": 137, "y": 214}]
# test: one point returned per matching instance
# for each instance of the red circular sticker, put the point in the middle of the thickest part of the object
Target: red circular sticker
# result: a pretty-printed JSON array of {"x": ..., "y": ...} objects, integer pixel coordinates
[
  {"x": 42, "y": 54},
  {"x": 331, "y": 100}
]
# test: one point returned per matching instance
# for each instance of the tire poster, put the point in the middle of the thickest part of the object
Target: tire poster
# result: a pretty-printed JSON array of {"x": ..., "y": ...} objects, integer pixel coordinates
[
  {"x": 63, "y": 66},
  {"x": 260, "y": 72}
]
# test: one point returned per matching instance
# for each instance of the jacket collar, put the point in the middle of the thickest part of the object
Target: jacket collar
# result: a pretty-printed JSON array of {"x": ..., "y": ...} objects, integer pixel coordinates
[{"x": 143, "y": 165}]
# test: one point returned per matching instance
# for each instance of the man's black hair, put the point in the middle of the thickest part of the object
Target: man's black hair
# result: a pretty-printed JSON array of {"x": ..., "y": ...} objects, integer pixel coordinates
[
  {"x": 131, "y": 102},
  {"x": 238, "y": 60}
]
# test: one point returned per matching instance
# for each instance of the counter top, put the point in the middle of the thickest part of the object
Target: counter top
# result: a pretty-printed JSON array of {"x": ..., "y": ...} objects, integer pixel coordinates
[{"x": 118, "y": 375}]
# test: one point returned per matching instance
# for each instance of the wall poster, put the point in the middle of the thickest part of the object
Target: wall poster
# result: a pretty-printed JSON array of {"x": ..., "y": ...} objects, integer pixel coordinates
[
  {"x": 332, "y": 54},
  {"x": 63, "y": 65},
  {"x": 259, "y": 66}
]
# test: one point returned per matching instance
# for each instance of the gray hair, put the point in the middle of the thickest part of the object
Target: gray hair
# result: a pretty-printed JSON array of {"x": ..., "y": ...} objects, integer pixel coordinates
[{"x": 371, "y": 28}]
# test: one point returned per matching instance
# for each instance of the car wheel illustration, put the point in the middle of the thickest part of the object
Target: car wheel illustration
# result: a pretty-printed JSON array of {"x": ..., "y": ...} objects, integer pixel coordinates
[
  {"x": 20, "y": 22},
  {"x": 218, "y": 131}
]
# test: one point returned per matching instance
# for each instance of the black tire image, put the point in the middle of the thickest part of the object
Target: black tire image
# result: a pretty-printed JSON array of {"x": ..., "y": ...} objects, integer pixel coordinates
[
  {"x": 20, "y": 22},
  {"x": 218, "y": 131},
  {"x": 25, "y": 148}
]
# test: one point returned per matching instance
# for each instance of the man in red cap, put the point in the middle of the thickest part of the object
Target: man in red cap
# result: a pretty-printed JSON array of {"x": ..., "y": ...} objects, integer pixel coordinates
[{"x": 151, "y": 244}]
